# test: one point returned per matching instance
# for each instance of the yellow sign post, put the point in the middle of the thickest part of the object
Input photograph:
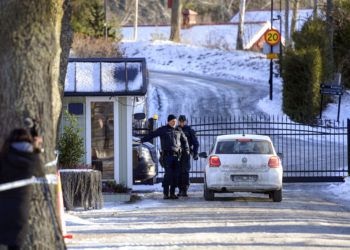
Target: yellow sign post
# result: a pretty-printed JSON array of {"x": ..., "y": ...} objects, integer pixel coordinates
[{"x": 271, "y": 56}]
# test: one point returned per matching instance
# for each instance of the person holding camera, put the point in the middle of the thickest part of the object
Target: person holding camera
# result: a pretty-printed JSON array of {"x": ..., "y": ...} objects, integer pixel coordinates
[
  {"x": 19, "y": 160},
  {"x": 173, "y": 144},
  {"x": 185, "y": 164}
]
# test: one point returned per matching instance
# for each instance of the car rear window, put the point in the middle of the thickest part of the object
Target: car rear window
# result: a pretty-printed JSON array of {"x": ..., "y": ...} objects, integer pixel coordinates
[{"x": 244, "y": 147}]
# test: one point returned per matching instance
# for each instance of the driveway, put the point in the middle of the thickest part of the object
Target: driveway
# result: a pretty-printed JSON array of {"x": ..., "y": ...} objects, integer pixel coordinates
[
  {"x": 309, "y": 217},
  {"x": 198, "y": 96}
]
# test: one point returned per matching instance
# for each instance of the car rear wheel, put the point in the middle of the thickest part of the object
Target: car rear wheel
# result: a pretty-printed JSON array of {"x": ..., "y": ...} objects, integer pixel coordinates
[
  {"x": 277, "y": 195},
  {"x": 208, "y": 194}
]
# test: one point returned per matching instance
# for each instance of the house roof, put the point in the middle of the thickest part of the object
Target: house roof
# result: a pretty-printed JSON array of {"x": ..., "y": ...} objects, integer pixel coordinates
[
  {"x": 189, "y": 12},
  {"x": 106, "y": 77}
]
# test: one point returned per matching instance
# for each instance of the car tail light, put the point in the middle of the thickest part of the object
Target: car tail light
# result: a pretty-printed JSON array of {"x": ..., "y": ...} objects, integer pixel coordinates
[
  {"x": 274, "y": 162},
  {"x": 214, "y": 161}
]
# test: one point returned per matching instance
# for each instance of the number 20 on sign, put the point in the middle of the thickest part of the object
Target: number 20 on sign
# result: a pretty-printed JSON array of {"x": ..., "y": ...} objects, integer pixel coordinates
[{"x": 272, "y": 37}]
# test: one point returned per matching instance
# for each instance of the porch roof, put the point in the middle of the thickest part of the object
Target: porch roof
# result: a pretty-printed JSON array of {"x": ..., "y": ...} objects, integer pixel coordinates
[{"x": 106, "y": 77}]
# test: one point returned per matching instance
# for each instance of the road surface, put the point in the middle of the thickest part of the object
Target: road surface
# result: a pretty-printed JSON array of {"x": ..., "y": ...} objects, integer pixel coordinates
[
  {"x": 307, "y": 218},
  {"x": 201, "y": 97}
]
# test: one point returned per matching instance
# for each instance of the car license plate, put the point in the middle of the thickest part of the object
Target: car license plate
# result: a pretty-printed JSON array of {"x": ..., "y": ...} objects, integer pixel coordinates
[{"x": 247, "y": 178}]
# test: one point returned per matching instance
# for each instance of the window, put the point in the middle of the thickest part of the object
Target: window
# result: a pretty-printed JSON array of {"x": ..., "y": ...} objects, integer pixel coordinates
[
  {"x": 76, "y": 108},
  {"x": 244, "y": 147}
]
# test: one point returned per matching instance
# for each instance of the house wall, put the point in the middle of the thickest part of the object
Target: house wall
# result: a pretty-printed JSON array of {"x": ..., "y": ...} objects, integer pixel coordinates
[
  {"x": 125, "y": 141},
  {"x": 258, "y": 45}
]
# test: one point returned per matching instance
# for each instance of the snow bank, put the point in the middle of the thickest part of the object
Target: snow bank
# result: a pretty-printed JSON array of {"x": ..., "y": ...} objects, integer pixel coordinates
[{"x": 342, "y": 190}]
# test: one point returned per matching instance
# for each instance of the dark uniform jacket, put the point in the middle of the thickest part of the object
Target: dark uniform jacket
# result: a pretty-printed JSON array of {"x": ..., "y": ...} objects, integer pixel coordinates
[
  {"x": 171, "y": 139},
  {"x": 191, "y": 138},
  {"x": 15, "y": 203}
]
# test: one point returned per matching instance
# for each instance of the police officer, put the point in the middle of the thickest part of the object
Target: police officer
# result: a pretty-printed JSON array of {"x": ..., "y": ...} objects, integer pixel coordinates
[
  {"x": 172, "y": 141},
  {"x": 185, "y": 165}
]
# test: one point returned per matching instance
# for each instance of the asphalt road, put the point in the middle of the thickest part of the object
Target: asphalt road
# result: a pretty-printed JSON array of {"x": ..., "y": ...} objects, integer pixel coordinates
[{"x": 309, "y": 217}]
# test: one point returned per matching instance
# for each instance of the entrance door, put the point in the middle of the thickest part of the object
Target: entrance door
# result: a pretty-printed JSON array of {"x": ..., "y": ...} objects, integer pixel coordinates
[{"x": 102, "y": 137}]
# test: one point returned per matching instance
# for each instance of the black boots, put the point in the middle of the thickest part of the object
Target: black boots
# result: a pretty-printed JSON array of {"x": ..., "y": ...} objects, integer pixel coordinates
[
  {"x": 172, "y": 197},
  {"x": 183, "y": 192}
]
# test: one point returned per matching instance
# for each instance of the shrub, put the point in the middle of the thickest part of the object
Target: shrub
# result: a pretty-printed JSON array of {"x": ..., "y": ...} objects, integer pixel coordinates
[
  {"x": 113, "y": 187},
  {"x": 301, "y": 90},
  {"x": 70, "y": 144},
  {"x": 85, "y": 46},
  {"x": 314, "y": 35}
]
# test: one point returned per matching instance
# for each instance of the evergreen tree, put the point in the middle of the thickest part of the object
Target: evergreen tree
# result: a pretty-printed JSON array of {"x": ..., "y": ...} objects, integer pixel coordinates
[
  {"x": 70, "y": 144},
  {"x": 97, "y": 19}
]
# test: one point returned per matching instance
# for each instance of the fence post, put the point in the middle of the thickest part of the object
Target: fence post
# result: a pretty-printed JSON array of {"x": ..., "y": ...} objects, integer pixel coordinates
[{"x": 348, "y": 123}]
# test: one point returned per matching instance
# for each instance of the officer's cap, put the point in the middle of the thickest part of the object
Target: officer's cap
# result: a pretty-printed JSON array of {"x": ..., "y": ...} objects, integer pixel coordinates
[
  {"x": 171, "y": 117},
  {"x": 182, "y": 118}
]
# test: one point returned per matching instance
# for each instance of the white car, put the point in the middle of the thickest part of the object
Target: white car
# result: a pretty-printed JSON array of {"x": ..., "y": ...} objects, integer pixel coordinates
[{"x": 243, "y": 163}]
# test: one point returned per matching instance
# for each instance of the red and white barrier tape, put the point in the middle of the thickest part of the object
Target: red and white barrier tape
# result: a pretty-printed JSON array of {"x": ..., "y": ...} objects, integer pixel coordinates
[{"x": 49, "y": 179}]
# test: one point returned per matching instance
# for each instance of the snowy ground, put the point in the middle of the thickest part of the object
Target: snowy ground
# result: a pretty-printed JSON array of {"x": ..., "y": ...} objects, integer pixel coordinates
[
  {"x": 311, "y": 216},
  {"x": 307, "y": 218}
]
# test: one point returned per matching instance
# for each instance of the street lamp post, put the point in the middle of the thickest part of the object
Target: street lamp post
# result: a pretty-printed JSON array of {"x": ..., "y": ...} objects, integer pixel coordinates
[{"x": 271, "y": 60}]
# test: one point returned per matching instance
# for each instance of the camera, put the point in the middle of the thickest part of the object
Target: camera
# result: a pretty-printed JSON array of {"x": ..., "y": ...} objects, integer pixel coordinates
[{"x": 32, "y": 125}]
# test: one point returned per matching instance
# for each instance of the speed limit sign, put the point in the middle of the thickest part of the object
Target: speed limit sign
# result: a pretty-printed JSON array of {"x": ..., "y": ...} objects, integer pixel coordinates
[{"x": 272, "y": 37}]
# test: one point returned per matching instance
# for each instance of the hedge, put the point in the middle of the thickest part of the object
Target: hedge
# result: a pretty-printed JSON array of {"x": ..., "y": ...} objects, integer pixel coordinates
[{"x": 302, "y": 74}]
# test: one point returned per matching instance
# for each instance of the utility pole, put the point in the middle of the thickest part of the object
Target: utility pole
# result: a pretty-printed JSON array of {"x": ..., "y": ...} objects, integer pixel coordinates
[
  {"x": 136, "y": 18},
  {"x": 330, "y": 31}
]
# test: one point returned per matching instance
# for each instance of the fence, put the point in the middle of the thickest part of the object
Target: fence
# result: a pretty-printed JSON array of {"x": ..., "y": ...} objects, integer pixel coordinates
[{"x": 317, "y": 152}]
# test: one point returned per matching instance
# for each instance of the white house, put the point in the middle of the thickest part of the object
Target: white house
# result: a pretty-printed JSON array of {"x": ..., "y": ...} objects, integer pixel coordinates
[{"x": 100, "y": 92}]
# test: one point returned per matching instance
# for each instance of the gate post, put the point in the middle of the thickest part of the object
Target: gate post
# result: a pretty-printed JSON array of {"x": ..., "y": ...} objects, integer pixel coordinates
[{"x": 348, "y": 130}]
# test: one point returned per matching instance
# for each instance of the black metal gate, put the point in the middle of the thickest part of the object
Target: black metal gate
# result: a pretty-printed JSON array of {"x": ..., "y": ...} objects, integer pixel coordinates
[{"x": 311, "y": 153}]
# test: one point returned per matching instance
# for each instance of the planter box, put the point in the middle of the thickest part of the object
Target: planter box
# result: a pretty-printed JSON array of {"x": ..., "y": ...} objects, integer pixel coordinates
[{"x": 116, "y": 197}]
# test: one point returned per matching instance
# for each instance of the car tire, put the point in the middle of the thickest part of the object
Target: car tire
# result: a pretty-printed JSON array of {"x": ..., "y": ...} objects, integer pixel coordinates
[
  {"x": 277, "y": 195},
  {"x": 150, "y": 181},
  {"x": 208, "y": 194}
]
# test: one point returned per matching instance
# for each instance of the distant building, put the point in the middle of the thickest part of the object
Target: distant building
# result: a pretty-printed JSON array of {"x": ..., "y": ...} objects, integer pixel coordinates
[
  {"x": 257, "y": 41},
  {"x": 189, "y": 18},
  {"x": 223, "y": 35}
]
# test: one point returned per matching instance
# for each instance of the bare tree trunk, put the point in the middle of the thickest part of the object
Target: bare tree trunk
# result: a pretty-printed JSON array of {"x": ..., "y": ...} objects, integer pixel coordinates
[
  {"x": 315, "y": 13},
  {"x": 65, "y": 41},
  {"x": 176, "y": 21},
  {"x": 286, "y": 24},
  {"x": 330, "y": 32},
  {"x": 239, "y": 44},
  {"x": 30, "y": 62},
  {"x": 294, "y": 16},
  {"x": 29, "y": 81}
]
